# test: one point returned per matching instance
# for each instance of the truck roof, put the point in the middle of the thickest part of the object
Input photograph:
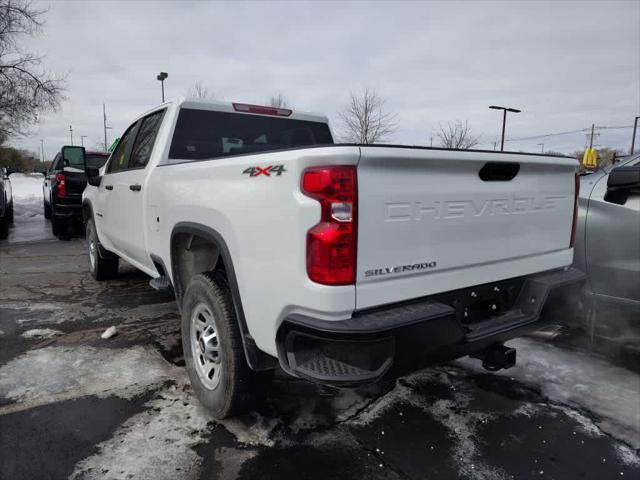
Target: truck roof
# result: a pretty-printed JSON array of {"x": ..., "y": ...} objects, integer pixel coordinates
[{"x": 234, "y": 107}]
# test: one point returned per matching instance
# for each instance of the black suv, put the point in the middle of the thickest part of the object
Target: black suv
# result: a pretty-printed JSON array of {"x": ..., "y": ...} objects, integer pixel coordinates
[{"x": 63, "y": 187}]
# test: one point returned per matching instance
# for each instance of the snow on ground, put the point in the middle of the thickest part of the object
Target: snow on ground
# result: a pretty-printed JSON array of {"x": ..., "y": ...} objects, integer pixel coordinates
[
  {"x": 41, "y": 333},
  {"x": 27, "y": 195},
  {"x": 612, "y": 393},
  {"x": 138, "y": 449},
  {"x": 52, "y": 374}
]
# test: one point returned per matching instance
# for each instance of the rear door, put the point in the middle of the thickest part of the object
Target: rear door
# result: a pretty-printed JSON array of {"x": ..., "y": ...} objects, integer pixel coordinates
[
  {"x": 128, "y": 196},
  {"x": 432, "y": 221}
]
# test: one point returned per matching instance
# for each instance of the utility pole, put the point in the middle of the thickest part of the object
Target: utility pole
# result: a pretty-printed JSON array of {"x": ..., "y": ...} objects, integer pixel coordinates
[
  {"x": 494, "y": 146},
  {"x": 542, "y": 147},
  {"x": 633, "y": 139},
  {"x": 593, "y": 126},
  {"x": 71, "y": 133},
  {"x": 42, "y": 149},
  {"x": 504, "y": 120},
  {"x": 431, "y": 141},
  {"x": 104, "y": 124},
  {"x": 82, "y": 137}
]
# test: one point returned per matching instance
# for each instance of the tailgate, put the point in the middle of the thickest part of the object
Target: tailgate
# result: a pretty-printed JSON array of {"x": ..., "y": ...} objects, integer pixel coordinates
[{"x": 430, "y": 221}]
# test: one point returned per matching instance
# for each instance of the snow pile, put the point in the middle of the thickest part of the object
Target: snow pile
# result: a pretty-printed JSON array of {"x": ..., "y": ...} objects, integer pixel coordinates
[
  {"x": 27, "y": 195},
  {"x": 55, "y": 373}
]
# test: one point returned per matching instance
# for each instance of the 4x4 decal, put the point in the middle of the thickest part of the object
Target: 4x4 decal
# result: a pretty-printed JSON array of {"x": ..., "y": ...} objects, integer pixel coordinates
[{"x": 266, "y": 171}]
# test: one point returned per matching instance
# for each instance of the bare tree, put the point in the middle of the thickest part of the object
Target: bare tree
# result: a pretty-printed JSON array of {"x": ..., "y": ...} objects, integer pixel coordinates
[
  {"x": 457, "y": 135},
  {"x": 365, "y": 120},
  {"x": 200, "y": 92},
  {"x": 278, "y": 100},
  {"x": 26, "y": 88}
]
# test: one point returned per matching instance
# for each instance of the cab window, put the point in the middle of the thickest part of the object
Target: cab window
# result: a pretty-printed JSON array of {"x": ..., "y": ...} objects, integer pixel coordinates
[
  {"x": 120, "y": 156},
  {"x": 145, "y": 139}
]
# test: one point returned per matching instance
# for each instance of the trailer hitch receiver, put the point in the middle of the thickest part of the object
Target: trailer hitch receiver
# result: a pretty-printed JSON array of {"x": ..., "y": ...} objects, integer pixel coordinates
[{"x": 497, "y": 357}]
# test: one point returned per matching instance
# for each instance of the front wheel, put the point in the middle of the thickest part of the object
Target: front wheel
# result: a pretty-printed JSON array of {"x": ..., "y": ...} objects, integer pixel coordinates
[
  {"x": 213, "y": 352},
  {"x": 47, "y": 209},
  {"x": 100, "y": 268}
]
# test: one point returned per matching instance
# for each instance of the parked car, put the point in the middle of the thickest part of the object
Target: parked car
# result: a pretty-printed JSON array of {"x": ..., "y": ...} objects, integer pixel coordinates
[
  {"x": 6, "y": 203},
  {"x": 336, "y": 262},
  {"x": 608, "y": 235},
  {"x": 63, "y": 186}
]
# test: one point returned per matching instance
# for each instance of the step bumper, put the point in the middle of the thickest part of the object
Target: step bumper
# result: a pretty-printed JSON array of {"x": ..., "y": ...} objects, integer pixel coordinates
[{"x": 363, "y": 349}]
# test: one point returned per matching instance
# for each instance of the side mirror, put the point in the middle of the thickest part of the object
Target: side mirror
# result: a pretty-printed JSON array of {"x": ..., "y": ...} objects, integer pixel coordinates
[
  {"x": 622, "y": 182},
  {"x": 73, "y": 156},
  {"x": 93, "y": 176}
]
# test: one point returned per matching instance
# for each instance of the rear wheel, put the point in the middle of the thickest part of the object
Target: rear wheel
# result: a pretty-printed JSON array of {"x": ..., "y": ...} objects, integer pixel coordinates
[
  {"x": 4, "y": 227},
  {"x": 47, "y": 209},
  {"x": 100, "y": 268},
  {"x": 213, "y": 352},
  {"x": 10, "y": 214},
  {"x": 58, "y": 225}
]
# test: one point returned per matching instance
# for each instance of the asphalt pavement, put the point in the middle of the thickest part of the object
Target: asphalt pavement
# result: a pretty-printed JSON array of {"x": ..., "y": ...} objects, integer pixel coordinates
[{"x": 73, "y": 405}]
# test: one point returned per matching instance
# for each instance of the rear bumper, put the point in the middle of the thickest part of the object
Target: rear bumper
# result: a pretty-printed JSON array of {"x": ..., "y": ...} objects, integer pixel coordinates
[
  {"x": 363, "y": 348},
  {"x": 68, "y": 210}
]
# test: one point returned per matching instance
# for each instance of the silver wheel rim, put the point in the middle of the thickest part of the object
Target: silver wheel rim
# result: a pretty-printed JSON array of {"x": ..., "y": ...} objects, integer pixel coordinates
[
  {"x": 205, "y": 347},
  {"x": 92, "y": 253}
]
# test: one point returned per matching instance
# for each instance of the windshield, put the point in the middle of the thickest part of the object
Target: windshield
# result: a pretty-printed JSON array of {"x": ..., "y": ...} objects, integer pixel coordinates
[{"x": 203, "y": 134}]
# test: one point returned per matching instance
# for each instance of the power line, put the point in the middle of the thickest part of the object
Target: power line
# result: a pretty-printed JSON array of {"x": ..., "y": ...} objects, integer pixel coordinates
[{"x": 569, "y": 132}]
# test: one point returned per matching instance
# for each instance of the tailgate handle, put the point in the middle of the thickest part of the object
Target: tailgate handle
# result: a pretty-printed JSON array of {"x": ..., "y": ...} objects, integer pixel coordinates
[
  {"x": 109, "y": 187},
  {"x": 136, "y": 187},
  {"x": 499, "y": 171}
]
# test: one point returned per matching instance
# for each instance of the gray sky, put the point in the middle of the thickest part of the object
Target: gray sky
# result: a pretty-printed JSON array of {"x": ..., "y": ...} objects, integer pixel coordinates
[{"x": 565, "y": 64}]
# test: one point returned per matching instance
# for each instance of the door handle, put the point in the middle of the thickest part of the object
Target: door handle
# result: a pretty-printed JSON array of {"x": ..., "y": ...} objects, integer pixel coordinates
[
  {"x": 109, "y": 187},
  {"x": 136, "y": 187}
]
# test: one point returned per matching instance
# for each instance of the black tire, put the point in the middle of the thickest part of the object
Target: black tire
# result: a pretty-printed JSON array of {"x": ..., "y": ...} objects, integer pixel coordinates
[
  {"x": 238, "y": 386},
  {"x": 100, "y": 268},
  {"x": 58, "y": 225},
  {"x": 4, "y": 228},
  {"x": 47, "y": 210},
  {"x": 10, "y": 214}
]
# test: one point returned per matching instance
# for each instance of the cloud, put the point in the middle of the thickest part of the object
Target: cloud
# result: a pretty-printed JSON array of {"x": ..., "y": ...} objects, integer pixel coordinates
[{"x": 565, "y": 64}]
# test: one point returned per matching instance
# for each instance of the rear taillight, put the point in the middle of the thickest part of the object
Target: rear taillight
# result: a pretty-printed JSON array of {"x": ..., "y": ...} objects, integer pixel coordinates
[
  {"x": 331, "y": 244},
  {"x": 575, "y": 211},
  {"x": 61, "y": 185}
]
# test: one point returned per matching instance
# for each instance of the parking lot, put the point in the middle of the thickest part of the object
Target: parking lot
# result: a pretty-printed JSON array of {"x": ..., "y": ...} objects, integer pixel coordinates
[{"x": 75, "y": 405}]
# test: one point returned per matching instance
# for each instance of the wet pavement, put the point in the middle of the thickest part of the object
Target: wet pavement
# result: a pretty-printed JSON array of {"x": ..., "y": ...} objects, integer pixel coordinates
[{"x": 73, "y": 405}]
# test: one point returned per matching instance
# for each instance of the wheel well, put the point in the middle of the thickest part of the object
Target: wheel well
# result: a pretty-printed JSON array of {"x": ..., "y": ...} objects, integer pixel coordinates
[
  {"x": 87, "y": 212},
  {"x": 192, "y": 254}
]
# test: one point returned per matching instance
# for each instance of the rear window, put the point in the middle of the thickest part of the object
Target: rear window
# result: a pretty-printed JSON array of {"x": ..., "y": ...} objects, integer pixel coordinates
[
  {"x": 204, "y": 134},
  {"x": 95, "y": 160}
]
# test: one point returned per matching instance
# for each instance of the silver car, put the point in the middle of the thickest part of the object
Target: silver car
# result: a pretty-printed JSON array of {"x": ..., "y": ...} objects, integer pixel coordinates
[{"x": 607, "y": 245}]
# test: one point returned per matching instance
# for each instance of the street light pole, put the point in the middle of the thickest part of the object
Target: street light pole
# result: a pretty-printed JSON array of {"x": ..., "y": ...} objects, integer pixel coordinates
[
  {"x": 82, "y": 137},
  {"x": 633, "y": 139},
  {"x": 71, "y": 133},
  {"x": 42, "y": 149},
  {"x": 162, "y": 77},
  {"x": 504, "y": 120},
  {"x": 542, "y": 147}
]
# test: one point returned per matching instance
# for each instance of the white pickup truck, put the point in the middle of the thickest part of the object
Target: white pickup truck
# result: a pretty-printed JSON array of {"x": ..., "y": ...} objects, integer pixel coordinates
[{"x": 336, "y": 262}]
